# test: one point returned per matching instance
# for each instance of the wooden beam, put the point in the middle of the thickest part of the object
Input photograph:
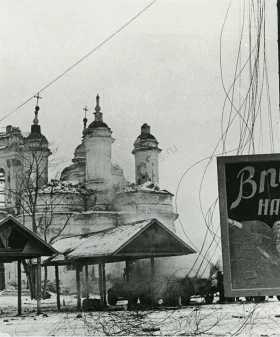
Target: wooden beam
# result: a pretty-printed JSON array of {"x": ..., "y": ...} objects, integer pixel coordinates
[
  {"x": 78, "y": 281},
  {"x": 34, "y": 278},
  {"x": 153, "y": 273},
  {"x": 127, "y": 267},
  {"x": 153, "y": 269},
  {"x": 116, "y": 258},
  {"x": 147, "y": 255},
  {"x": 19, "y": 286},
  {"x": 57, "y": 287},
  {"x": 39, "y": 281},
  {"x": 278, "y": 43},
  {"x": 104, "y": 284},
  {"x": 17, "y": 252},
  {"x": 87, "y": 283},
  {"x": 100, "y": 285}
]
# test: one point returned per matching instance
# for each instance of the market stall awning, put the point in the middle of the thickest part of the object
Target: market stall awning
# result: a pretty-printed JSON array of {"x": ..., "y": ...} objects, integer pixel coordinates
[
  {"x": 137, "y": 240},
  {"x": 18, "y": 243}
]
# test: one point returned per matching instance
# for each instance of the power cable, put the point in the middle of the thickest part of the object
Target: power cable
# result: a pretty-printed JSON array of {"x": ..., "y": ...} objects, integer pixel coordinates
[
  {"x": 249, "y": 111},
  {"x": 82, "y": 59}
]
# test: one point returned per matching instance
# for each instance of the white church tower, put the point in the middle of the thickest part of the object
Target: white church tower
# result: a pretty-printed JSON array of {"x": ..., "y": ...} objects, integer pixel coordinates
[
  {"x": 146, "y": 154},
  {"x": 98, "y": 144}
]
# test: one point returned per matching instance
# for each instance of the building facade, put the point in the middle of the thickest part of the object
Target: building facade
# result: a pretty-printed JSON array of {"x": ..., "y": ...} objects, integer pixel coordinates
[{"x": 92, "y": 193}]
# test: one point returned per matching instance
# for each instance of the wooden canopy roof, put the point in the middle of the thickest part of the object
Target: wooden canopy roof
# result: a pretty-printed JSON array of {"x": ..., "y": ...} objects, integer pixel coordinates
[
  {"x": 17, "y": 242},
  {"x": 137, "y": 240}
]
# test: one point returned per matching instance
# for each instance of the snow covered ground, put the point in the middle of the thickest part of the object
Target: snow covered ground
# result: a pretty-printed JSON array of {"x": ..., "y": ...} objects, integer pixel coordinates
[{"x": 236, "y": 319}]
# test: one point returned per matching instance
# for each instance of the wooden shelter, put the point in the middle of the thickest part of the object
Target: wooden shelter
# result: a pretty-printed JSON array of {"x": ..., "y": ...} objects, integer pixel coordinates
[
  {"x": 138, "y": 240},
  {"x": 18, "y": 243}
]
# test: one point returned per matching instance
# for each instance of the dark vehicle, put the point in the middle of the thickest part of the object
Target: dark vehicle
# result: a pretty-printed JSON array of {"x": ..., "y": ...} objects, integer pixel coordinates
[
  {"x": 169, "y": 290},
  {"x": 197, "y": 286}
]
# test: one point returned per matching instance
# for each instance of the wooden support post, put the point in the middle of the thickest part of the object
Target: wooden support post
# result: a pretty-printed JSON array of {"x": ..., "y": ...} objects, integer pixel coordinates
[
  {"x": 104, "y": 284},
  {"x": 127, "y": 271},
  {"x": 39, "y": 285},
  {"x": 278, "y": 42},
  {"x": 78, "y": 280},
  {"x": 153, "y": 269},
  {"x": 87, "y": 285},
  {"x": 19, "y": 286},
  {"x": 57, "y": 287},
  {"x": 100, "y": 274},
  {"x": 34, "y": 275},
  {"x": 153, "y": 272}
]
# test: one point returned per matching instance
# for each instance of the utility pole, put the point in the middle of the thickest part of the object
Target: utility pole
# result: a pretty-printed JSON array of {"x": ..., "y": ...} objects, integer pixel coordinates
[{"x": 278, "y": 41}]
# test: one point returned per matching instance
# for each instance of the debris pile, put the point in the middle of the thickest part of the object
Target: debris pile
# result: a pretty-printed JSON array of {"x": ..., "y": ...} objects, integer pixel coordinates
[
  {"x": 148, "y": 186},
  {"x": 56, "y": 187}
]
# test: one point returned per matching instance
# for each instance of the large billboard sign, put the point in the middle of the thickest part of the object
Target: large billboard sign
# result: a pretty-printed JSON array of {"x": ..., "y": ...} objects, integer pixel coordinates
[{"x": 249, "y": 196}]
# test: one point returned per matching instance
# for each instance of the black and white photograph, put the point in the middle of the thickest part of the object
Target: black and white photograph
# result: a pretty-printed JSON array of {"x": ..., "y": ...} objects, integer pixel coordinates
[{"x": 139, "y": 168}]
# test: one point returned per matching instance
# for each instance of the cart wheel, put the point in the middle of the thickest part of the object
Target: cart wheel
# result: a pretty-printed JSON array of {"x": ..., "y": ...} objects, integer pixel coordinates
[{"x": 209, "y": 298}]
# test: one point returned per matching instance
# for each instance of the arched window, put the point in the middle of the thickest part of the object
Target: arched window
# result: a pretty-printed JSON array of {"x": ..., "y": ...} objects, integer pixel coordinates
[{"x": 2, "y": 188}]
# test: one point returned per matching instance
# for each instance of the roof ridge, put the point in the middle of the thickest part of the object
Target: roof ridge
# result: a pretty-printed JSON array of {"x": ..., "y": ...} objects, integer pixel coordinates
[{"x": 104, "y": 230}]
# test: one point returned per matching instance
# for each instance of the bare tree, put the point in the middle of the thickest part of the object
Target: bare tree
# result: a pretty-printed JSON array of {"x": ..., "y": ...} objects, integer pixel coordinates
[
  {"x": 33, "y": 197},
  {"x": 52, "y": 201}
]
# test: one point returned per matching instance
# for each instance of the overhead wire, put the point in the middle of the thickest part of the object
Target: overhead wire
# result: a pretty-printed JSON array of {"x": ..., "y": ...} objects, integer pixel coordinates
[
  {"x": 79, "y": 61},
  {"x": 249, "y": 112}
]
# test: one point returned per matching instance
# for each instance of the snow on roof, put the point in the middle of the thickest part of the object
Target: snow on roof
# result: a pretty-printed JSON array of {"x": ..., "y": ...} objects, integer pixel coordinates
[
  {"x": 99, "y": 243},
  {"x": 107, "y": 243},
  {"x": 56, "y": 186},
  {"x": 25, "y": 134},
  {"x": 148, "y": 186},
  {"x": 36, "y": 245}
]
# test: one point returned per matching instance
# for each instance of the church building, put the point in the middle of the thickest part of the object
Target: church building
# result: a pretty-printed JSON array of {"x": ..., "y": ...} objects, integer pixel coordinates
[{"x": 92, "y": 193}]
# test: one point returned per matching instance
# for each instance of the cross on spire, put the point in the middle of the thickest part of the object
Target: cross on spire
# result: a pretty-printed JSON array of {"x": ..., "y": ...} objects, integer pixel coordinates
[
  {"x": 97, "y": 108},
  {"x": 38, "y": 97},
  {"x": 98, "y": 114},
  {"x": 86, "y": 109},
  {"x": 36, "y": 120},
  {"x": 85, "y": 120}
]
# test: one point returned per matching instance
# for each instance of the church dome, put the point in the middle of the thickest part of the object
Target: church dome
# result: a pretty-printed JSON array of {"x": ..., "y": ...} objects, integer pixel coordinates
[
  {"x": 145, "y": 140},
  {"x": 35, "y": 135},
  {"x": 80, "y": 153},
  {"x": 97, "y": 124},
  {"x": 98, "y": 121},
  {"x": 76, "y": 171},
  {"x": 146, "y": 136},
  {"x": 145, "y": 133}
]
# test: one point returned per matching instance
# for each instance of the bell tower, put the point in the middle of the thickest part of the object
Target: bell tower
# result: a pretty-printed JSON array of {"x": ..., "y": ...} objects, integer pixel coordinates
[
  {"x": 36, "y": 153},
  {"x": 146, "y": 154},
  {"x": 98, "y": 144}
]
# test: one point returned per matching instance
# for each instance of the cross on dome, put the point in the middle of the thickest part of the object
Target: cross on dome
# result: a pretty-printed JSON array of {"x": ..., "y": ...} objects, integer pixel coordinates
[
  {"x": 36, "y": 120},
  {"x": 98, "y": 114},
  {"x": 85, "y": 120},
  {"x": 97, "y": 108}
]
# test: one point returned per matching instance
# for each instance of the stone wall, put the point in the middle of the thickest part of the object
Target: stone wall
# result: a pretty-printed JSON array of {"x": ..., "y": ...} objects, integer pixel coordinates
[{"x": 140, "y": 205}]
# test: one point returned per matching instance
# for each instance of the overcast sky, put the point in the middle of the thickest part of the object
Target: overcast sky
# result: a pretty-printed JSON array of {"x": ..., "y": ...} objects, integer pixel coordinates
[{"x": 162, "y": 69}]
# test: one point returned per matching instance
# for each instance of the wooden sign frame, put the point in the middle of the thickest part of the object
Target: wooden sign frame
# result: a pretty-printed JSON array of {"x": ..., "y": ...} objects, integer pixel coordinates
[{"x": 249, "y": 199}]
